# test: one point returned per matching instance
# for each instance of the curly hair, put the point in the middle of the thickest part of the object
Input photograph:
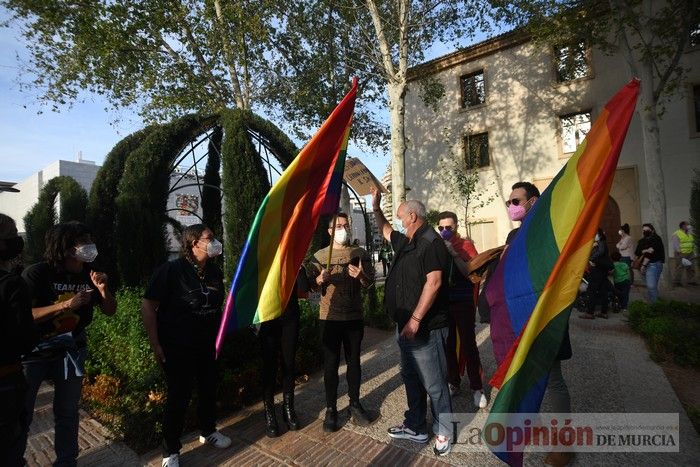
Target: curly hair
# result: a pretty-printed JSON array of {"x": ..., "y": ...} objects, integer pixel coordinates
[
  {"x": 61, "y": 239},
  {"x": 189, "y": 235}
]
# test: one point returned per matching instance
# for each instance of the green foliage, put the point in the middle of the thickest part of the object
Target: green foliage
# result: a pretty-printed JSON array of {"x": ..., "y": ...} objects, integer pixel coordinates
[
  {"x": 42, "y": 216},
  {"x": 463, "y": 179},
  {"x": 695, "y": 207},
  {"x": 670, "y": 328},
  {"x": 432, "y": 217},
  {"x": 102, "y": 209},
  {"x": 375, "y": 313},
  {"x": 245, "y": 181},
  {"x": 124, "y": 385},
  {"x": 211, "y": 192},
  {"x": 143, "y": 195},
  {"x": 431, "y": 92}
]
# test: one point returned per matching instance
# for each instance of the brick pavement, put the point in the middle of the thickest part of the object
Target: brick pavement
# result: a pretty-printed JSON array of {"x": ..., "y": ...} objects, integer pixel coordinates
[{"x": 94, "y": 440}]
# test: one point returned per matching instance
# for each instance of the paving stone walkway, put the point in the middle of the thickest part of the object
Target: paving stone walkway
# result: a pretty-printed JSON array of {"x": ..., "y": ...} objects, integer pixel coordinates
[{"x": 610, "y": 372}]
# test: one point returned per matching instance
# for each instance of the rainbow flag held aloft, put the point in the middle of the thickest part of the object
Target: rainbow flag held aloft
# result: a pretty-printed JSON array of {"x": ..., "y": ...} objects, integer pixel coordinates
[
  {"x": 285, "y": 222},
  {"x": 536, "y": 282}
]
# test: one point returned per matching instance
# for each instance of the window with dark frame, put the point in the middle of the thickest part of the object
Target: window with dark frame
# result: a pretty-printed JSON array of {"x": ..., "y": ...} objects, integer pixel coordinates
[
  {"x": 694, "y": 40},
  {"x": 473, "y": 89},
  {"x": 574, "y": 128},
  {"x": 476, "y": 150},
  {"x": 572, "y": 62},
  {"x": 696, "y": 106}
]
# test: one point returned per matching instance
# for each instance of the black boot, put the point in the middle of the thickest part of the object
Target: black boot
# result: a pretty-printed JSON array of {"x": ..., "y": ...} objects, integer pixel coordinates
[
  {"x": 360, "y": 416},
  {"x": 271, "y": 428},
  {"x": 330, "y": 423},
  {"x": 288, "y": 413}
]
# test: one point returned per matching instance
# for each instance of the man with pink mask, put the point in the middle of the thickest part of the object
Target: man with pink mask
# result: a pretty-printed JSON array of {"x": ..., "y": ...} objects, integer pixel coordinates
[
  {"x": 520, "y": 201},
  {"x": 462, "y": 312}
]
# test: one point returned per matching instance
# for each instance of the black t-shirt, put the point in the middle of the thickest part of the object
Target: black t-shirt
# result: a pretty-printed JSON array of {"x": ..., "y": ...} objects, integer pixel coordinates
[
  {"x": 653, "y": 241},
  {"x": 413, "y": 260},
  {"x": 47, "y": 286},
  {"x": 190, "y": 309},
  {"x": 17, "y": 332}
]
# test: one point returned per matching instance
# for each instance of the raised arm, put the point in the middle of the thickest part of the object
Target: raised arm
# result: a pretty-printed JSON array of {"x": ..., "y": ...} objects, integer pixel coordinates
[{"x": 383, "y": 225}]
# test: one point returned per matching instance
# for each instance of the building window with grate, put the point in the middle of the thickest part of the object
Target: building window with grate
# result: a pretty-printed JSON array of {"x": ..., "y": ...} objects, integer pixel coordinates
[
  {"x": 473, "y": 89},
  {"x": 476, "y": 150},
  {"x": 574, "y": 128}
]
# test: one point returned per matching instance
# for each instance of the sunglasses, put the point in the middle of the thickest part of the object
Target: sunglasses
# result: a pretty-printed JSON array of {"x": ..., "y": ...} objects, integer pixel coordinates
[
  {"x": 444, "y": 227},
  {"x": 514, "y": 202}
]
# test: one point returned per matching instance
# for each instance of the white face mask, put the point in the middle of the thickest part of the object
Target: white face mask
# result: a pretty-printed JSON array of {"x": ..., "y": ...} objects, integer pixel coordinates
[
  {"x": 341, "y": 237},
  {"x": 86, "y": 253},
  {"x": 214, "y": 248},
  {"x": 597, "y": 237},
  {"x": 398, "y": 226}
]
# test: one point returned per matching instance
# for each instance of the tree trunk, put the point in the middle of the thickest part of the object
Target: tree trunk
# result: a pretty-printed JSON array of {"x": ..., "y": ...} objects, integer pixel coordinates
[
  {"x": 397, "y": 111},
  {"x": 647, "y": 109}
]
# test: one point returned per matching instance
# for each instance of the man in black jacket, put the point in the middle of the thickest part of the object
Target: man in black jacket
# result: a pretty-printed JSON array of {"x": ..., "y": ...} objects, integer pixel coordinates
[{"x": 416, "y": 297}]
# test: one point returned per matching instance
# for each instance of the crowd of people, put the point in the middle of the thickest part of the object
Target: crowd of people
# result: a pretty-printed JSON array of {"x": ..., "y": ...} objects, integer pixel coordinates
[{"x": 46, "y": 312}]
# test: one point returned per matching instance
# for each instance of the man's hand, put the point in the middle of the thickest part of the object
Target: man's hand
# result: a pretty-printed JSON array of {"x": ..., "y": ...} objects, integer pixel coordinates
[
  {"x": 410, "y": 329},
  {"x": 355, "y": 271},
  {"x": 100, "y": 280},
  {"x": 323, "y": 277}
]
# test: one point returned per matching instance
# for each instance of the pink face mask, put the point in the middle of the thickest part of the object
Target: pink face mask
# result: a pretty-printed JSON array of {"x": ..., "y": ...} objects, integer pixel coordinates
[{"x": 516, "y": 213}]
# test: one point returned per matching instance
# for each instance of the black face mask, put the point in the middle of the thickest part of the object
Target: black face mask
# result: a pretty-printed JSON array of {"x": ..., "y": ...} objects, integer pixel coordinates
[
  {"x": 13, "y": 247},
  {"x": 646, "y": 233}
]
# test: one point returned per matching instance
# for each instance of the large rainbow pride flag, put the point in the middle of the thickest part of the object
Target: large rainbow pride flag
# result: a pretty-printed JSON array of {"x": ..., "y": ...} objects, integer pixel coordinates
[
  {"x": 536, "y": 282},
  {"x": 285, "y": 222}
]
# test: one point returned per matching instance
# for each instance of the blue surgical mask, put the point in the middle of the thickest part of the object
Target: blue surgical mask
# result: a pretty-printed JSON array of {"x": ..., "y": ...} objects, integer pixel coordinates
[{"x": 398, "y": 226}]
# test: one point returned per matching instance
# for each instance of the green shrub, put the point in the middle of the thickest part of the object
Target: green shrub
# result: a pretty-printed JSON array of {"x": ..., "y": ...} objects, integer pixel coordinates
[
  {"x": 672, "y": 329},
  {"x": 375, "y": 314}
]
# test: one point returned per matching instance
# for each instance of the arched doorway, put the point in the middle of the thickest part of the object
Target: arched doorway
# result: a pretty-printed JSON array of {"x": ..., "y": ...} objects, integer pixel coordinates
[{"x": 610, "y": 223}]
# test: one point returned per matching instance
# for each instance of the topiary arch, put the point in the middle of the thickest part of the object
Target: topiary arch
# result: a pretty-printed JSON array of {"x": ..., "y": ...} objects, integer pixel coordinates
[
  {"x": 128, "y": 201},
  {"x": 42, "y": 216}
]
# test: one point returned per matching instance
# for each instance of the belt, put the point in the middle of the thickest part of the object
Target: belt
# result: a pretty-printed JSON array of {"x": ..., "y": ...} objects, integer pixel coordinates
[{"x": 13, "y": 368}]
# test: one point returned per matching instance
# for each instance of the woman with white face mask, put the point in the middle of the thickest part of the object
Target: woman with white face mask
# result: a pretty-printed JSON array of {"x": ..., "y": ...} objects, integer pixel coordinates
[
  {"x": 64, "y": 291},
  {"x": 181, "y": 311}
]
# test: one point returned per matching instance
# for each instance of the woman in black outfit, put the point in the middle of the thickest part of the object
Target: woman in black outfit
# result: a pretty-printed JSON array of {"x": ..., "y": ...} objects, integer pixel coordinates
[
  {"x": 181, "y": 312},
  {"x": 598, "y": 284},
  {"x": 17, "y": 336},
  {"x": 281, "y": 336},
  {"x": 651, "y": 248}
]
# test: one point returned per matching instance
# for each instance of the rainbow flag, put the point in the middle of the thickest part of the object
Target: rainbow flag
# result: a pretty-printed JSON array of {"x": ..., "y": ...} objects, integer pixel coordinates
[
  {"x": 536, "y": 282},
  {"x": 285, "y": 222}
]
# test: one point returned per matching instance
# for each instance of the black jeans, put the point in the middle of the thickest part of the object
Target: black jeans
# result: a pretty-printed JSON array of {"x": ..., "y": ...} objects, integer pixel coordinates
[
  {"x": 182, "y": 368},
  {"x": 281, "y": 334},
  {"x": 598, "y": 287},
  {"x": 349, "y": 334},
  {"x": 13, "y": 418}
]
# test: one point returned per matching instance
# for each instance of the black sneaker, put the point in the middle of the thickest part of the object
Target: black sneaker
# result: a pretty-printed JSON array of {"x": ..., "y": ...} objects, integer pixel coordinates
[
  {"x": 330, "y": 422},
  {"x": 360, "y": 417}
]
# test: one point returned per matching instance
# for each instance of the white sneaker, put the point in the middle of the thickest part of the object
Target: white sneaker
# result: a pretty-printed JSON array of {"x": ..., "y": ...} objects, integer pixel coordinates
[
  {"x": 442, "y": 446},
  {"x": 171, "y": 461},
  {"x": 480, "y": 399},
  {"x": 216, "y": 439}
]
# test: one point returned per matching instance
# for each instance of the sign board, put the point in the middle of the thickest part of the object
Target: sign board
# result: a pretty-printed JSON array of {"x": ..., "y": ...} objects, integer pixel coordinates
[{"x": 358, "y": 176}]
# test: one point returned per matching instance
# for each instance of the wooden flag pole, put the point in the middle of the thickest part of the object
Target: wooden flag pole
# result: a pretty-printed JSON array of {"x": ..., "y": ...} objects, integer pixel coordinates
[{"x": 330, "y": 248}]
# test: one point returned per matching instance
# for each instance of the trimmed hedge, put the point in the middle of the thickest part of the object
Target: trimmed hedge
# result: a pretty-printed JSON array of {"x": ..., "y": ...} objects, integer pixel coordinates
[
  {"x": 211, "y": 197},
  {"x": 42, "y": 216},
  {"x": 672, "y": 329},
  {"x": 102, "y": 209},
  {"x": 140, "y": 234}
]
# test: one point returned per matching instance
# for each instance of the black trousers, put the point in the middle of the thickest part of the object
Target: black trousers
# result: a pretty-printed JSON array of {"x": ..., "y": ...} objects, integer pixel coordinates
[
  {"x": 279, "y": 336},
  {"x": 348, "y": 334},
  {"x": 184, "y": 368},
  {"x": 598, "y": 287},
  {"x": 13, "y": 418}
]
